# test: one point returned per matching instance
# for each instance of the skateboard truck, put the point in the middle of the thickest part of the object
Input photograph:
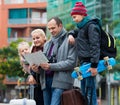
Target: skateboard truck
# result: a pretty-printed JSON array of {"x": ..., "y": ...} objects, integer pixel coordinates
[
  {"x": 79, "y": 74},
  {"x": 109, "y": 67}
]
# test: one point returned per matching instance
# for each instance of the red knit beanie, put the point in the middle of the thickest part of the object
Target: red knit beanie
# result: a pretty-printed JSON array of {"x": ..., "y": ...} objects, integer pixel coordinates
[{"x": 79, "y": 9}]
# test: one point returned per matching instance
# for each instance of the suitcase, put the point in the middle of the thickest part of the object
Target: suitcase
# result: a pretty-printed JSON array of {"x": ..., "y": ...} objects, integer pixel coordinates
[
  {"x": 23, "y": 101},
  {"x": 72, "y": 97}
]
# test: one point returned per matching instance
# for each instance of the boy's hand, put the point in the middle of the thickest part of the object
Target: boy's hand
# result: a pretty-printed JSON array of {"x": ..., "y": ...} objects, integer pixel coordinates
[
  {"x": 71, "y": 39},
  {"x": 45, "y": 66},
  {"x": 93, "y": 71}
]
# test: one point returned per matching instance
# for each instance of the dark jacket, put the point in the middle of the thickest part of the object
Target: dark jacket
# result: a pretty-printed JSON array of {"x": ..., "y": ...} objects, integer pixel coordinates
[{"x": 88, "y": 43}]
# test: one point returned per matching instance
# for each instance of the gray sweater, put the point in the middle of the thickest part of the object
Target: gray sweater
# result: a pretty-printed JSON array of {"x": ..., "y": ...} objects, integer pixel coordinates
[{"x": 66, "y": 60}]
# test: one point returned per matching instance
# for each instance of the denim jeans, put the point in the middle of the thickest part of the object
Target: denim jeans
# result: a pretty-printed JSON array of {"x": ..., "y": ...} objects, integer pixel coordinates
[
  {"x": 52, "y": 96},
  {"x": 88, "y": 89}
]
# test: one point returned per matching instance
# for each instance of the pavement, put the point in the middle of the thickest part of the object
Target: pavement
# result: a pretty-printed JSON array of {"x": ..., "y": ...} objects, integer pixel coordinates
[
  {"x": 100, "y": 102},
  {"x": 103, "y": 102}
]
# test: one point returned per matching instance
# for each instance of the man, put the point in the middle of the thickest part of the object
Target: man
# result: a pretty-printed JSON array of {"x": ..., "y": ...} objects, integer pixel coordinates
[
  {"x": 62, "y": 59},
  {"x": 88, "y": 48}
]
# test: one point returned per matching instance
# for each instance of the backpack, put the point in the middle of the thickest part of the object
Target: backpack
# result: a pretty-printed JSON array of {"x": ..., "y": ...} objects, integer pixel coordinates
[{"x": 107, "y": 44}]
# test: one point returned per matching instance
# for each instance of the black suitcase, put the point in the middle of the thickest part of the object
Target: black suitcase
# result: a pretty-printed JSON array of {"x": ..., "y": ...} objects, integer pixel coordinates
[{"x": 72, "y": 97}]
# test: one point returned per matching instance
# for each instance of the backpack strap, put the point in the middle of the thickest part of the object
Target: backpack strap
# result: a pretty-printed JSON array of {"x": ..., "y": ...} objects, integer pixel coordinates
[{"x": 109, "y": 42}]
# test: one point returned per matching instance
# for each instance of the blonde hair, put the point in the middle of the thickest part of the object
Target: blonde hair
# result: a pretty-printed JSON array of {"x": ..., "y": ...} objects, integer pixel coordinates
[
  {"x": 39, "y": 32},
  {"x": 25, "y": 68},
  {"x": 21, "y": 44}
]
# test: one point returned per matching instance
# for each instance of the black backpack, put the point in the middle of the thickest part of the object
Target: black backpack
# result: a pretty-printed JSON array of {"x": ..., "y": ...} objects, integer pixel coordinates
[{"x": 108, "y": 43}]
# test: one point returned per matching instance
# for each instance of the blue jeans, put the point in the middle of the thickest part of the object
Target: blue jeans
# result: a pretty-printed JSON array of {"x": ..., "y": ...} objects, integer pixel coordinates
[
  {"x": 88, "y": 89},
  {"x": 52, "y": 96}
]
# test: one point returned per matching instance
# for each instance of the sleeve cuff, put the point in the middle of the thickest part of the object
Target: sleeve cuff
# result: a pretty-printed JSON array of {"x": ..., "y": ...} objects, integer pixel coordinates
[
  {"x": 94, "y": 65},
  {"x": 71, "y": 33}
]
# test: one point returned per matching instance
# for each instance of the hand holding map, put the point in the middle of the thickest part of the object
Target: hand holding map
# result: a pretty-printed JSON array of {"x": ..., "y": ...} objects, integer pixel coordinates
[{"x": 36, "y": 58}]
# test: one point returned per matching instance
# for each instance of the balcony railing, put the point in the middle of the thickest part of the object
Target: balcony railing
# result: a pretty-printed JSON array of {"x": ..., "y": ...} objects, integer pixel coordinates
[
  {"x": 11, "y": 79},
  {"x": 28, "y": 21},
  {"x": 28, "y": 39},
  {"x": 22, "y": 1},
  {"x": 13, "y": 1},
  {"x": 36, "y": 1}
]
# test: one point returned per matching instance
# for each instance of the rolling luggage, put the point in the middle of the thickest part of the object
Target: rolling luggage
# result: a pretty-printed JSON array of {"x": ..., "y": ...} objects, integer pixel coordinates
[
  {"x": 23, "y": 101},
  {"x": 72, "y": 97}
]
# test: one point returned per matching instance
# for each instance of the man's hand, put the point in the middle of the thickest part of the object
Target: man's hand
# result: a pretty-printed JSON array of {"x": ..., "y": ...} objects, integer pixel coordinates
[
  {"x": 71, "y": 39},
  {"x": 93, "y": 71},
  {"x": 45, "y": 66}
]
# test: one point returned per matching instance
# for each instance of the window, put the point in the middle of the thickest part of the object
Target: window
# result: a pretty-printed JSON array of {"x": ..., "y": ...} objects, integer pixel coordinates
[{"x": 17, "y": 13}]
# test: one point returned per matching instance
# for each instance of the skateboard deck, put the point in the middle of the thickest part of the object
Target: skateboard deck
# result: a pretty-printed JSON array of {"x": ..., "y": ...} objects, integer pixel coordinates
[{"x": 82, "y": 71}]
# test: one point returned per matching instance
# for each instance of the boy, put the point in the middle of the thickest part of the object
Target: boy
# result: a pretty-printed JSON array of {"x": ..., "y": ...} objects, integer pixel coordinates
[{"x": 88, "y": 48}]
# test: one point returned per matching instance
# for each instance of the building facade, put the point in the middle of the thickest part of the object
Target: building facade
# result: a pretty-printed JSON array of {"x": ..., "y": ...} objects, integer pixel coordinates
[
  {"x": 19, "y": 17},
  {"x": 106, "y": 10},
  {"x": 60, "y": 8},
  {"x": 116, "y": 16}
]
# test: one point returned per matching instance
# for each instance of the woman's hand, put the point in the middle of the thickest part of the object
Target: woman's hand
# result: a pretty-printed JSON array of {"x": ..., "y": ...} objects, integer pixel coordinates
[
  {"x": 31, "y": 80},
  {"x": 35, "y": 68}
]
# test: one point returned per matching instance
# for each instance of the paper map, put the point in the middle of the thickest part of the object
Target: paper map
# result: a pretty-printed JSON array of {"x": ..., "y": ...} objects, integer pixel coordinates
[{"x": 36, "y": 58}]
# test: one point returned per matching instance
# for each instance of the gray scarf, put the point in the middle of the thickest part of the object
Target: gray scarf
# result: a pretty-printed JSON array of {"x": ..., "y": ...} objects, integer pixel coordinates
[{"x": 57, "y": 41}]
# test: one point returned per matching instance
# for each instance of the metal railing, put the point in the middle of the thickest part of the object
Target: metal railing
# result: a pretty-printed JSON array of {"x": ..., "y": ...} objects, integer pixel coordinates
[
  {"x": 28, "y": 21},
  {"x": 22, "y": 1},
  {"x": 36, "y": 1},
  {"x": 13, "y": 1},
  {"x": 28, "y": 39}
]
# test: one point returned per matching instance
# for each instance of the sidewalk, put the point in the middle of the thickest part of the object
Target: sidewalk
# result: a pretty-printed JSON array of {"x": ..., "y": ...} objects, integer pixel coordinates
[{"x": 103, "y": 102}]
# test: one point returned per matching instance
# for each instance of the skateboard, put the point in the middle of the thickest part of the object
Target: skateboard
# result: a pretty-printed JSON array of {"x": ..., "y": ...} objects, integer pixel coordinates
[{"x": 82, "y": 71}]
